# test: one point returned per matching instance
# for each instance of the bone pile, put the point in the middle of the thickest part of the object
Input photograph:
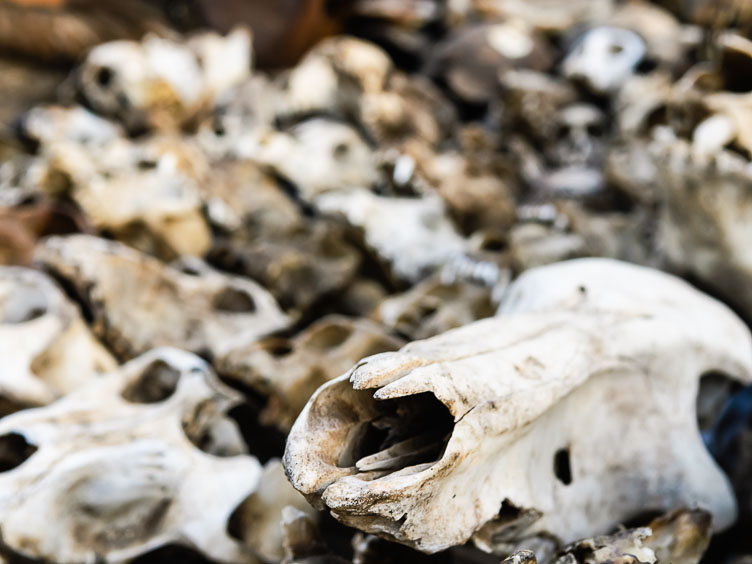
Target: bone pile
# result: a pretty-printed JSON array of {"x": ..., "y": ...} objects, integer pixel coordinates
[{"x": 470, "y": 283}]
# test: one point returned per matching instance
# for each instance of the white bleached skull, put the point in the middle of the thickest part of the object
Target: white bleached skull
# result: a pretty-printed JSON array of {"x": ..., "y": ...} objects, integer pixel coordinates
[
  {"x": 568, "y": 413},
  {"x": 45, "y": 346},
  {"x": 137, "y": 302},
  {"x": 604, "y": 58},
  {"x": 113, "y": 470}
]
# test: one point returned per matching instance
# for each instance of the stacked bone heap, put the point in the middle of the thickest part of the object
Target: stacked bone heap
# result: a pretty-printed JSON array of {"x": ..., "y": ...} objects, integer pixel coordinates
[{"x": 375, "y": 281}]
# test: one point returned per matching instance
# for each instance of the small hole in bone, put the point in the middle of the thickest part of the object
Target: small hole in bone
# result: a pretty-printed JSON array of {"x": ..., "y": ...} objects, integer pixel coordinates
[
  {"x": 104, "y": 77},
  {"x": 232, "y": 300},
  {"x": 408, "y": 431},
  {"x": 14, "y": 450},
  {"x": 156, "y": 383},
  {"x": 562, "y": 466},
  {"x": 329, "y": 337},
  {"x": 340, "y": 150},
  {"x": 615, "y": 48},
  {"x": 23, "y": 305}
]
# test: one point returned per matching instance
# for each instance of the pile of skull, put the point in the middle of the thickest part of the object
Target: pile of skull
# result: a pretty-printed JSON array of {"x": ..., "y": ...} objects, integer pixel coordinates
[{"x": 340, "y": 312}]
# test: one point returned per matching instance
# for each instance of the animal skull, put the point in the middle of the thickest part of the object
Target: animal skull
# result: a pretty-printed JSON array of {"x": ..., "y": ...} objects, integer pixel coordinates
[
  {"x": 138, "y": 302},
  {"x": 112, "y": 470},
  {"x": 290, "y": 371},
  {"x": 46, "y": 348},
  {"x": 604, "y": 58},
  {"x": 160, "y": 82},
  {"x": 519, "y": 427}
]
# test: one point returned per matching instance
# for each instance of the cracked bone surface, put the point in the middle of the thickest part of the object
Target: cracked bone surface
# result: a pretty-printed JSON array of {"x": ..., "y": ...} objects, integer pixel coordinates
[
  {"x": 137, "y": 302},
  {"x": 114, "y": 469},
  {"x": 45, "y": 346},
  {"x": 568, "y": 413}
]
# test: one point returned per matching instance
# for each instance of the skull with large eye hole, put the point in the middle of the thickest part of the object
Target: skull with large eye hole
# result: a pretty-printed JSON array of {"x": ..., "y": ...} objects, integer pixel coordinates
[
  {"x": 46, "y": 348},
  {"x": 123, "y": 467},
  {"x": 288, "y": 372},
  {"x": 425, "y": 445},
  {"x": 138, "y": 302},
  {"x": 604, "y": 58}
]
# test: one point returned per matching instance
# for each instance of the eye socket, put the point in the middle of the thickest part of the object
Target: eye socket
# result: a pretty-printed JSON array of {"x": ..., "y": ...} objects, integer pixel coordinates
[
  {"x": 329, "y": 337},
  {"x": 156, "y": 383},
  {"x": 14, "y": 451},
  {"x": 232, "y": 300}
]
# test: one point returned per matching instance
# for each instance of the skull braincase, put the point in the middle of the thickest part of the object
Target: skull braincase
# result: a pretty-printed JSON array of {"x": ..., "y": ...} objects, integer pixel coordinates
[
  {"x": 116, "y": 471},
  {"x": 527, "y": 412}
]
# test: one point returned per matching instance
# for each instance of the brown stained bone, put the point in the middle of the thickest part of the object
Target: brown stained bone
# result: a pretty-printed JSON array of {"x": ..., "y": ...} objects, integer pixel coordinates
[
  {"x": 267, "y": 237},
  {"x": 289, "y": 371},
  {"x": 137, "y": 302}
]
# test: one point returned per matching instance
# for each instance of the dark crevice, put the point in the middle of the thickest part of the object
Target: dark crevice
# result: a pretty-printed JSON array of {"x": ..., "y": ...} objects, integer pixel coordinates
[
  {"x": 14, "y": 451},
  {"x": 563, "y": 466},
  {"x": 156, "y": 383}
]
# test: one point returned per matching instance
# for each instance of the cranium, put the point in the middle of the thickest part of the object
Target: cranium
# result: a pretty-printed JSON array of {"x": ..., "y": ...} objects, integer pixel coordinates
[
  {"x": 413, "y": 235},
  {"x": 270, "y": 239},
  {"x": 145, "y": 192},
  {"x": 604, "y": 58},
  {"x": 569, "y": 412},
  {"x": 113, "y": 470},
  {"x": 138, "y": 303},
  {"x": 319, "y": 155},
  {"x": 290, "y": 371},
  {"x": 433, "y": 307},
  {"x": 160, "y": 82},
  {"x": 46, "y": 348}
]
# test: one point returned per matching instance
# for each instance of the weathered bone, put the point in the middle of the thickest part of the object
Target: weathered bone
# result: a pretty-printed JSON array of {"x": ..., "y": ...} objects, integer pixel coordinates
[
  {"x": 112, "y": 470},
  {"x": 45, "y": 346},
  {"x": 288, "y": 372},
  {"x": 527, "y": 412},
  {"x": 138, "y": 303}
]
